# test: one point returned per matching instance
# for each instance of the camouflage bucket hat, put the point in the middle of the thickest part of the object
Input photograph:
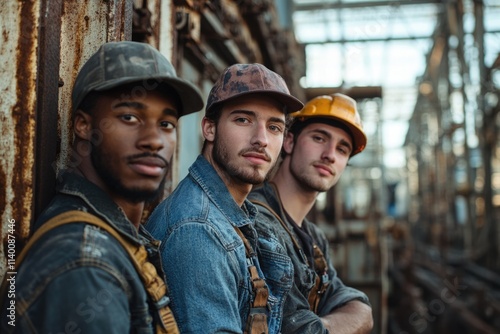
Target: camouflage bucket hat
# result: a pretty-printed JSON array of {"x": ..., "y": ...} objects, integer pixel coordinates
[
  {"x": 119, "y": 63},
  {"x": 242, "y": 79}
]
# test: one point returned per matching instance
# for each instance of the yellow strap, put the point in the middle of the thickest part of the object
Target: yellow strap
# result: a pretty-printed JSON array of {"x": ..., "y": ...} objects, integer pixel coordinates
[{"x": 155, "y": 286}]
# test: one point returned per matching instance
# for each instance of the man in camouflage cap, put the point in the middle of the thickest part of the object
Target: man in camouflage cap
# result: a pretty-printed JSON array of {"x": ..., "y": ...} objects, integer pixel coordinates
[
  {"x": 78, "y": 278},
  {"x": 206, "y": 224}
]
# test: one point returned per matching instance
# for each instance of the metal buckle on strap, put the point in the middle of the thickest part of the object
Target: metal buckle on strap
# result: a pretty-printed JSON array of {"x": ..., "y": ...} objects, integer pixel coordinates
[
  {"x": 163, "y": 302},
  {"x": 324, "y": 282}
]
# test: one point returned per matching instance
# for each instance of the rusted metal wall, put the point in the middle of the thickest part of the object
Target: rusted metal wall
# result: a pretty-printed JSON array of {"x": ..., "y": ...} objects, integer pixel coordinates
[
  {"x": 85, "y": 25},
  {"x": 18, "y": 56}
]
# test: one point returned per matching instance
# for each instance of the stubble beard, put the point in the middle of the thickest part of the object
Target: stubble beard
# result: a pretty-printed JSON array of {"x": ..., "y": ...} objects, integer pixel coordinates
[
  {"x": 221, "y": 157},
  {"x": 306, "y": 180}
]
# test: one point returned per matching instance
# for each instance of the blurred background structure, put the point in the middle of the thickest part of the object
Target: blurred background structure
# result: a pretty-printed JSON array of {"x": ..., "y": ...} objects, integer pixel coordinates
[{"x": 415, "y": 220}]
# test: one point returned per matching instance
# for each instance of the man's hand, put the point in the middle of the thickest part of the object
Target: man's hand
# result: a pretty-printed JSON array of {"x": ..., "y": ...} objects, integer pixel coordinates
[{"x": 354, "y": 317}]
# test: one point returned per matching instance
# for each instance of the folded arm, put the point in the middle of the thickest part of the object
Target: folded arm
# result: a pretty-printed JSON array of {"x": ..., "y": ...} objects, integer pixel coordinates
[{"x": 354, "y": 317}]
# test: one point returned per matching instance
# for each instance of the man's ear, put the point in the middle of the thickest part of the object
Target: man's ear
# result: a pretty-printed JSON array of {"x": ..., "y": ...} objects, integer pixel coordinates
[
  {"x": 208, "y": 128},
  {"x": 82, "y": 125},
  {"x": 288, "y": 143}
]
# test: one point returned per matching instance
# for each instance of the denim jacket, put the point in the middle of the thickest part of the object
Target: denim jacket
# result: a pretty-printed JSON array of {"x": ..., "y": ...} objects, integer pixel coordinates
[
  {"x": 297, "y": 317},
  {"x": 205, "y": 259},
  {"x": 79, "y": 279}
]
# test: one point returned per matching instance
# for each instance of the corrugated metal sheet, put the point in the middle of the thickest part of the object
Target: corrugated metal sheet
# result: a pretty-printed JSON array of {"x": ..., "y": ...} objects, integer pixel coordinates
[{"x": 17, "y": 114}]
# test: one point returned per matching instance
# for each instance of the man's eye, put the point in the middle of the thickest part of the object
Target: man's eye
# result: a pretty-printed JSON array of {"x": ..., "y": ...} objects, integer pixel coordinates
[
  {"x": 129, "y": 118},
  {"x": 242, "y": 120},
  {"x": 275, "y": 128},
  {"x": 167, "y": 125},
  {"x": 344, "y": 150},
  {"x": 319, "y": 139}
]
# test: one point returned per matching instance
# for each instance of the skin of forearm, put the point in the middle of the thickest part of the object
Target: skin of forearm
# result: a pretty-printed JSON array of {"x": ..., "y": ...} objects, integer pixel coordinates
[{"x": 354, "y": 317}]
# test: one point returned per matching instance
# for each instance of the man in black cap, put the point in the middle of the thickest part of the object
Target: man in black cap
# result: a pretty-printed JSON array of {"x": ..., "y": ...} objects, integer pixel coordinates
[
  {"x": 206, "y": 224},
  {"x": 81, "y": 276}
]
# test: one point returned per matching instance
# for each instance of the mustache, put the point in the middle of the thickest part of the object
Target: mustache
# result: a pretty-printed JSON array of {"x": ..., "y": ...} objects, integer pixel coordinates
[
  {"x": 148, "y": 155},
  {"x": 261, "y": 151}
]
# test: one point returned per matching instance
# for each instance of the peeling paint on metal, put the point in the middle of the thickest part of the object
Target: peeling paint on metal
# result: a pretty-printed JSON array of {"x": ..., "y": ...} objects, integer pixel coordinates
[
  {"x": 19, "y": 27},
  {"x": 83, "y": 30}
]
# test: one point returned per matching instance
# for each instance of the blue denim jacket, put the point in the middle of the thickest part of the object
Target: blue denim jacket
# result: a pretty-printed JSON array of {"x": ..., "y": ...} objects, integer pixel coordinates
[
  {"x": 205, "y": 259},
  {"x": 297, "y": 317},
  {"x": 79, "y": 279}
]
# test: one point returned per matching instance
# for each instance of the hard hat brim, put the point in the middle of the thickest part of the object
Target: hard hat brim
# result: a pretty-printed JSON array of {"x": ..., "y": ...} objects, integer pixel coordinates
[{"x": 358, "y": 136}]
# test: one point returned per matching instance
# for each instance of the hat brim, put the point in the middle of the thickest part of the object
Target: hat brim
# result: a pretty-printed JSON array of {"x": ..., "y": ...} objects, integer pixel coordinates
[
  {"x": 359, "y": 138},
  {"x": 291, "y": 103},
  {"x": 189, "y": 94}
]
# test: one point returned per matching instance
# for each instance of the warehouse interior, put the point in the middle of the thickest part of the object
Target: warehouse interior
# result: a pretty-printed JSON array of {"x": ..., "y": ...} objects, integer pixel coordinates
[{"x": 414, "y": 221}]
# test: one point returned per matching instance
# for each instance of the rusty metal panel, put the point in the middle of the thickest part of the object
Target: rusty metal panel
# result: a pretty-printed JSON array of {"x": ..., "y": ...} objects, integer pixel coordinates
[
  {"x": 18, "y": 55},
  {"x": 85, "y": 25},
  {"x": 47, "y": 102},
  {"x": 166, "y": 30}
]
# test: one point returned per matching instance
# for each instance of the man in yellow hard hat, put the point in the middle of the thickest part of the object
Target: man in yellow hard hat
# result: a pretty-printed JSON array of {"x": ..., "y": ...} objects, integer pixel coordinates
[{"x": 316, "y": 149}]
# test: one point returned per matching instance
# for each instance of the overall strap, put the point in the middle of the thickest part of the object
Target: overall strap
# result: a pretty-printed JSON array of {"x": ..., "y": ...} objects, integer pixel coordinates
[
  {"x": 322, "y": 281},
  {"x": 320, "y": 264},
  {"x": 153, "y": 283},
  {"x": 257, "y": 319}
]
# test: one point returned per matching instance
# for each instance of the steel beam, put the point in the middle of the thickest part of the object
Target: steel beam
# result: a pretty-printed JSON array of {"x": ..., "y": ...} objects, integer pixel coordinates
[{"x": 321, "y": 5}]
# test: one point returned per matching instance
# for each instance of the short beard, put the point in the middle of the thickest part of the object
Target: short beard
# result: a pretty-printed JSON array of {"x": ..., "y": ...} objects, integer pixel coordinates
[
  {"x": 221, "y": 158},
  {"x": 114, "y": 184}
]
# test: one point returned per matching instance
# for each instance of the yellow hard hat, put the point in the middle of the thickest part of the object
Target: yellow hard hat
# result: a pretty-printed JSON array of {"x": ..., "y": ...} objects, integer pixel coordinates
[{"x": 339, "y": 107}]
